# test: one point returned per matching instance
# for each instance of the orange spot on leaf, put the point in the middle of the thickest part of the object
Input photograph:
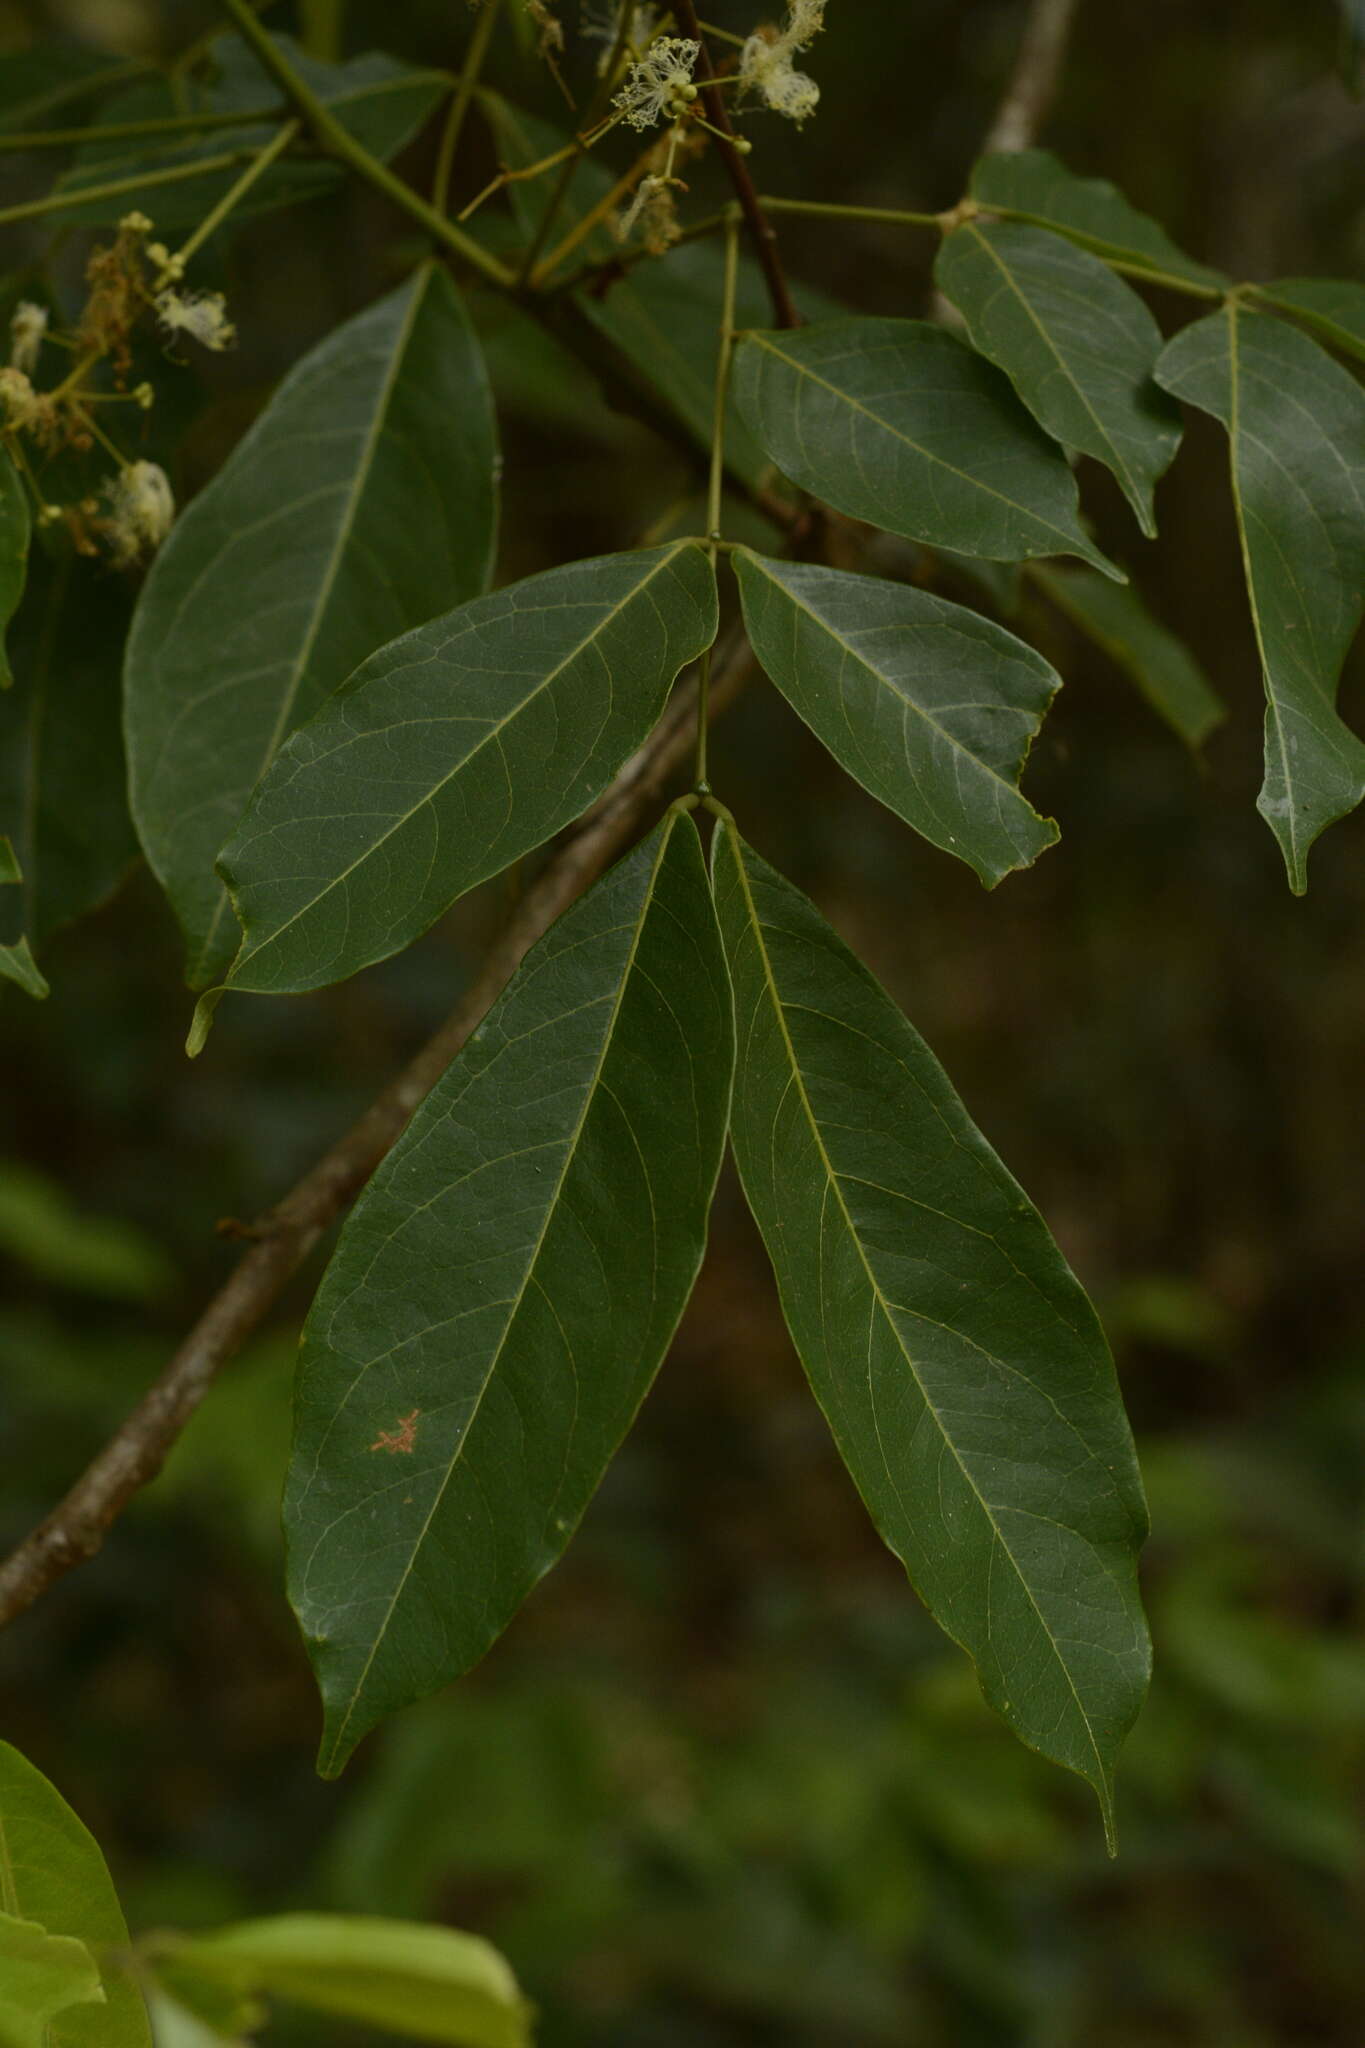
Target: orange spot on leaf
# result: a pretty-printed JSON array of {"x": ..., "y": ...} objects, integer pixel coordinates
[{"x": 403, "y": 1437}]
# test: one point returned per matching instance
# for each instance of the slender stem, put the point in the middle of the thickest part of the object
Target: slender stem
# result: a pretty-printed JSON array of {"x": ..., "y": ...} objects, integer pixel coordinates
[
  {"x": 237, "y": 191},
  {"x": 760, "y": 227},
  {"x": 321, "y": 24},
  {"x": 74, "y": 196},
  {"x": 127, "y": 131},
  {"x": 460, "y": 103},
  {"x": 820, "y": 209},
  {"x": 715, "y": 492},
  {"x": 344, "y": 146}
]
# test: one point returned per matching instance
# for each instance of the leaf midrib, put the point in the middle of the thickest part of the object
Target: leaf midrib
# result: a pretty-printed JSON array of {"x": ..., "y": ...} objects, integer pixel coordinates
[
  {"x": 879, "y": 1297},
  {"x": 532, "y": 1262},
  {"x": 250, "y": 952}
]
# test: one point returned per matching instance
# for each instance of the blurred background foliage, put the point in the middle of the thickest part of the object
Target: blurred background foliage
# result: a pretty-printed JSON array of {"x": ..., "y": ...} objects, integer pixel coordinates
[{"x": 722, "y": 1784}]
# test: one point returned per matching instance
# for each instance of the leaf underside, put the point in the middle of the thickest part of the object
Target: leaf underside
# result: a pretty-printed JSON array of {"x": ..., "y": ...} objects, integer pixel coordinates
[
  {"x": 294, "y": 564},
  {"x": 505, "y": 1290},
  {"x": 900, "y": 424},
  {"x": 930, "y": 706},
  {"x": 961, "y": 1368},
  {"x": 1296, "y": 435}
]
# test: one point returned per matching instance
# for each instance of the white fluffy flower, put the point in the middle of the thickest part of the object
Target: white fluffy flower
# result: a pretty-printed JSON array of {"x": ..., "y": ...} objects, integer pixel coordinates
[
  {"x": 661, "y": 80},
  {"x": 601, "y": 23},
  {"x": 141, "y": 509},
  {"x": 200, "y": 315},
  {"x": 28, "y": 325},
  {"x": 766, "y": 65}
]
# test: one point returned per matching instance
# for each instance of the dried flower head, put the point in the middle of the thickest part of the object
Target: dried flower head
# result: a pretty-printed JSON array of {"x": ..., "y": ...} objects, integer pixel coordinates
[
  {"x": 141, "y": 509},
  {"x": 200, "y": 315},
  {"x": 660, "y": 83},
  {"x": 653, "y": 213},
  {"x": 28, "y": 325},
  {"x": 551, "y": 29}
]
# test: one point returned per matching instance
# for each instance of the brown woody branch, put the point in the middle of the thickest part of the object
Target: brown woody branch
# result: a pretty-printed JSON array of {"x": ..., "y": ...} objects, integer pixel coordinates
[
  {"x": 760, "y": 227},
  {"x": 283, "y": 1238}
]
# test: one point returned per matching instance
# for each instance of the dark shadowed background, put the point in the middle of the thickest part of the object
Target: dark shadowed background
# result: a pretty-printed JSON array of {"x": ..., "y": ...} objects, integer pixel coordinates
[{"x": 722, "y": 1785}]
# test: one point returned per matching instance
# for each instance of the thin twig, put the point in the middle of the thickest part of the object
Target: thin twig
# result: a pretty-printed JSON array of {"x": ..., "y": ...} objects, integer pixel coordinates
[
  {"x": 282, "y": 1240},
  {"x": 1035, "y": 78},
  {"x": 760, "y": 227}
]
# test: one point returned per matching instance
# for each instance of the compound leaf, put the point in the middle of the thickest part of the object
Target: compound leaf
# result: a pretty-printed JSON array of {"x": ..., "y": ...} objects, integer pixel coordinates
[
  {"x": 1077, "y": 344},
  {"x": 452, "y": 752},
  {"x": 961, "y": 1368},
  {"x": 52, "y": 1872},
  {"x": 898, "y": 423},
  {"x": 930, "y": 706},
  {"x": 428, "y": 1983},
  {"x": 505, "y": 1290},
  {"x": 1035, "y": 186},
  {"x": 1296, "y": 436},
  {"x": 362, "y": 502},
  {"x": 1116, "y": 619}
]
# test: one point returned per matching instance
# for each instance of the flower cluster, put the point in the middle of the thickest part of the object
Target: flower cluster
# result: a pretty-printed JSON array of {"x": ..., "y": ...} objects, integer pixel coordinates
[
  {"x": 131, "y": 513},
  {"x": 767, "y": 62}
]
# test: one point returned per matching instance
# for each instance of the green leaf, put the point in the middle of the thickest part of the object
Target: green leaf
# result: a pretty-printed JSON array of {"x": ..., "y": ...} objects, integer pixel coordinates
[
  {"x": 1296, "y": 433},
  {"x": 898, "y": 423},
  {"x": 1076, "y": 343},
  {"x": 381, "y": 102},
  {"x": 41, "y": 1975},
  {"x": 452, "y": 752},
  {"x": 930, "y": 706},
  {"x": 505, "y": 1289},
  {"x": 1118, "y": 621},
  {"x": 362, "y": 502},
  {"x": 1033, "y": 185},
  {"x": 1333, "y": 307},
  {"x": 961, "y": 1368},
  {"x": 52, "y": 1872},
  {"x": 15, "y": 529},
  {"x": 63, "y": 789},
  {"x": 430, "y": 1983}
]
